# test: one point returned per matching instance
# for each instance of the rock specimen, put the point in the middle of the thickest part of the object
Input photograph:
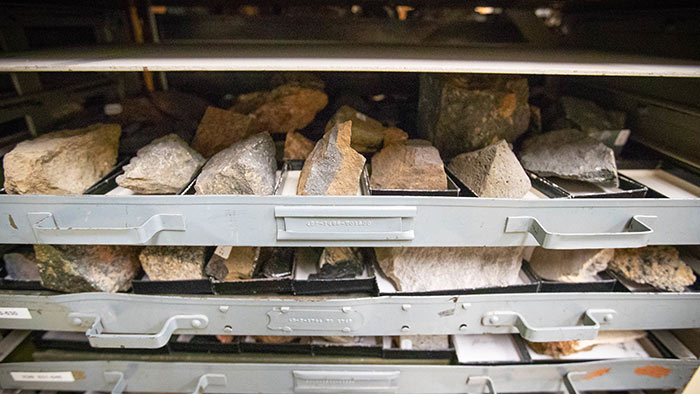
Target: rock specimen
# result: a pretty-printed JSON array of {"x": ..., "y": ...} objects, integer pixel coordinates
[
  {"x": 164, "y": 166},
  {"x": 246, "y": 167},
  {"x": 424, "y": 342},
  {"x": 569, "y": 154},
  {"x": 333, "y": 167},
  {"x": 21, "y": 266},
  {"x": 580, "y": 265},
  {"x": 79, "y": 268},
  {"x": 429, "y": 269},
  {"x": 62, "y": 162},
  {"x": 297, "y": 147},
  {"x": 393, "y": 135},
  {"x": 408, "y": 167},
  {"x": 367, "y": 133},
  {"x": 658, "y": 266},
  {"x": 587, "y": 116},
  {"x": 219, "y": 129},
  {"x": 295, "y": 78},
  {"x": 462, "y": 113},
  {"x": 492, "y": 172},
  {"x": 173, "y": 262},
  {"x": 340, "y": 262},
  {"x": 230, "y": 264},
  {"x": 565, "y": 348},
  {"x": 274, "y": 339},
  {"x": 275, "y": 262}
]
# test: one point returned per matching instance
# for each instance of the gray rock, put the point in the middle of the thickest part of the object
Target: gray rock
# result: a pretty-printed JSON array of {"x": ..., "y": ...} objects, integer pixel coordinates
[
  {"x": 425, "y": 342},
  {"x": 164, "y": 166},
  {"x": 461, "y": 113},
  {"x": 21, "y": 266},
  {"x": 229, "y": 264},
  {"x": 340, "y": 262},
  {"x": 79, "y": 268},
  {"x": 570, "y": 265},
  {"x": 492, "y": 172},
  {"x": 659, "y": 266},
  {"x": 173, "y": 262},
  {"x": 428, "y": 269},
  {"x": 588, "y": 116},
  {"x": 246, "y": 167},
  {"x": 569, "y": 154}
]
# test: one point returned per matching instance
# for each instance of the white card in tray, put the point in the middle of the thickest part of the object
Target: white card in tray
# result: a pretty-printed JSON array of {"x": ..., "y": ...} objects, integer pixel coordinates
[
  {"x": 667, "y": 184},
  {"x": 485, "y": 347}
]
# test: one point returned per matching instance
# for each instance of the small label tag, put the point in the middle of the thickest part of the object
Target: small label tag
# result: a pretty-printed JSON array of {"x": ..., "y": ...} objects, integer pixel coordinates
[
  {"x": 42, "y": 376},
  {"x": 360, "y": 116},
  {"x": 223, "y": 251},
  {"x": 622, "y": 137},
  {"x": 15, "y": 313}
]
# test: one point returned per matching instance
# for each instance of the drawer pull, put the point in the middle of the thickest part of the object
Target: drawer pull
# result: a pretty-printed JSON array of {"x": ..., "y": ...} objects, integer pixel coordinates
[
  {"x": 46, "y": 230},
  {"x": 209, "y": 379},
  {"x": 345, "y": 381},
  {"x": 483, "y": 380},
  {"x": 117, "y": 378},
  {"x": 589, "y": 329},
  {"x": 637, "y": 234}
]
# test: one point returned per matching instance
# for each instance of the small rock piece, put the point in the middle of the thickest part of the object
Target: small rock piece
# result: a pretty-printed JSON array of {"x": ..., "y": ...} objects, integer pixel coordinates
[
  {"x": 164, "y": 166},
  {"x": 424, "y": 342},
  {"x": 570, "y": 265},
  {"x": 340, "y": 262},
  {"x": 587, "y": 116},
  {"x": 62, "y": 162},
  {"x": 21, "y": 266},
  {"x": 428, "y": 269},
  {"x": 284, "y": 109},
  {"x": 492, "y": 172},
  {"x": 246, "y": 167},
  {"x": 276, "y": 262},
  {"x": 79, "y": 268},
  {"x": 658, "y": 266},
  {"x": 367, "y": 133},
  {"x": 408, "y": 167},
  {"x": 219, "y": 129},
  {"x": 232, "y": 264},
  {"x": 297, "y": 147},
  {"x": 173, "y": 262},
  {"x": 333, "y": 168},
  {"x": 393, "y": 135},
  {"x": 564, "y": 348},
  {"x": 569, "y": 154}
]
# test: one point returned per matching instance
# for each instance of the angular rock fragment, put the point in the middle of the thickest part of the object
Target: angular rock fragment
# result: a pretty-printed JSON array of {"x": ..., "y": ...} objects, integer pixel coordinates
[
  {"x": 658, "y": 266},
  {"x": 340, "y": 262},
  {"x": 408, "y": 167},
  {"x": 164, "y": 166},
  {"x": 569, "y": 154},
  {"x": 461, "y": 113},
  {"x": 246, "y": 167},
  {"x": 393, "y": 135},
  {"x": 424, "y": 342},
  {"x": 275, "y": 262},
  {"x": 230, "y": 264},
  {"x": 297, "y": 147},
  {"x": 21, "y": 266},
  {"x": 492, "y": 172},
  {"x": 162, "y": 263},
  {"x": 333, "y": 167},
  {"x": 247, "y": 103},
  {"x": 564, "y": 348},
  {"x": 62, "y": 162},
  {"x": 428, "y": 269},
  {"x": 219, "y": 129},
  {"x": 587, "y": 116},
  {"x": 367, "y": 133},
  {"x": 80, "y": 268},
  {"x": 580, "y": 265}
]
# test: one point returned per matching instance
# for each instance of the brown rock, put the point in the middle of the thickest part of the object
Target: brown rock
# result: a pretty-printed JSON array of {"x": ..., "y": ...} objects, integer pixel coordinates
[
  {"x": 393, "y": 135},
  {"x": 367, "y": 133},
  {"x": 249, "y": 102},
  {"x": 225, "y": 338},
  {"x": 408, "y": 167},
  {"x": 564, "y": 348},
  {"x": 297, "y": 147},
  {"x": 173, "y": 262},
  {"x": 658, "y": 266},
  {"x": 62, "y": 162},
  {"x": 219, "y": 129},
  {"x": 232, "y": 264},
  {"x": 287, "y": 108},
  {"x": 294, "y": 78},
  {"x": 570, "y": 265},
  {"x": 333, "y": 168},
  {"x": 274, "y": 339}
]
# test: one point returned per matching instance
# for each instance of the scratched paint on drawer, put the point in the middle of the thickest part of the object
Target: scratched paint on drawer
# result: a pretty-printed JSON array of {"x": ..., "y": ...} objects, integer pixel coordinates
[
  {"x": 596, "y": 373},
  {"x": 655, "y": 371}
]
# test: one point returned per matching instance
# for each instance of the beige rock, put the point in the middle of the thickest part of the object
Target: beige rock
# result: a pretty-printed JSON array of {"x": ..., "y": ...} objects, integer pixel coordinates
[
  {"x": 274, "y": 339},
  {"x": 367, "y": 133},
  {"x": 408, "y": 167},
  {"x": 492, "y": 172},
  {"x": 249, "y": 102},
  {"x": 284, "y": 109},
  {"x": 425, "y": 342},
  {"x": 219, "y": 129},
  {"x": 658, "y": 266},
  {"x": 393, "y": 135},
  {"x": 238, "y": 265},
  {"x": 565, "y": 348},
  {"x": 62, "y": 162},
  {"x": 333, "y": 168},
  {"x": 580, "y": 265},
  {"x": 297, "y": 147},
  {"x": 173, "y": 262}
]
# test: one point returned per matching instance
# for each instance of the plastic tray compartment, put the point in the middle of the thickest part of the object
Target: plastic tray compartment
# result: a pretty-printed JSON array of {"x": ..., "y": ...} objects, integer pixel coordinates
[
  {"x": 562, "y": 188},
  {"x": 453, "y": 190},
  {"x": 605, "y": 282}
]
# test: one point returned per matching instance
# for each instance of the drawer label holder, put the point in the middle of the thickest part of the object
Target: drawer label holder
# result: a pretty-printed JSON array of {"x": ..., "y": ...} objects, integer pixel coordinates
[
  {"x": 346, "y": 381},
  {"x": 42, "y": 376},
  {"x": 15, "y": 313},
  {"x": 288, "y": 319}
]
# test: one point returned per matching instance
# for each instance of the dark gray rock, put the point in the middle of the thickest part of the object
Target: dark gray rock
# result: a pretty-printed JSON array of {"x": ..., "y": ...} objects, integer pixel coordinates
[
  {"x": 275, "y": 262},
  {"x": 173, "y": 262},
  {"x": 340, "y": 262},
  {"x": 229, "y": 264},
  {"x": 21, "y": 266},
  {"x": 588, "y": 116}
]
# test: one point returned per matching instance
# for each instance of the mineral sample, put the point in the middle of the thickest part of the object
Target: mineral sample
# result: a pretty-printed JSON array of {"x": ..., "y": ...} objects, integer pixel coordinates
[
  {"x": 428, "y": 269},
  {"x": 230, "y": 264},
  {"x": 333, "y": 167},
  {"x": 179, "y": 105},
  {"x": 570, "y": 265},
  {"x": 461, "y": 113},
  {"x": 297, "y": 147},
  {"x": 658, "y": 266},
  {"x": 569, "y": 154},
  {"x": 21, "y": 266},
  {"x": 587, "y": 116},
  {"x": 340, "y": 262},
  {"x": 79, "y": 268},
  {"x": 302, "y": 79},
  {"x": 408, "y": 167},
  {"x": 62, "y": 162},
  {"x": 425, "y": 342},
  {"x": 274, "y": 339},
  {"x": 492, "y": 172},
  {"x": 275, "y": 262},
  {"x": 164, "y": 166},
  {"x": 367, "y": 133},
  {"x": 246, "y": 167},
  {"x": 173, "y": 262},
  {"x": 393, "y": 135},
  {"x": 565, "y": 348},
  {"x": 219, "y": 129}
]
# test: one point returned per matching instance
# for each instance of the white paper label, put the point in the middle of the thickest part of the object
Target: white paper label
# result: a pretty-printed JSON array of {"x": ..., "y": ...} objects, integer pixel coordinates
[
  {"x": 223, "y": 251},
  {"x": 15, "y": 313},
  {"x": 363, "y": 117},
  {"x": 622, "y": 137},
  {"x": 42, "y": 376}
]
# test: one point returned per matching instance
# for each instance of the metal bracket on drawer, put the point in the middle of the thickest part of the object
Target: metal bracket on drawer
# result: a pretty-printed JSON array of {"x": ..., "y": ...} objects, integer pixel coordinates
[
  {"x": 345, "y": 381},
  {"x": 46, "y": 230},
  {"x": 209, "y": 379},
  {"x": 117, "y": 378},
  {"x": 569, "y": 383},
  {"x": 473, "y": 380},
  {"x": 589, "y": 329},
  {"x": 344, "y": 223},
  {"x": 637, "y": 234},
  {"x": 340, "y": 320}
]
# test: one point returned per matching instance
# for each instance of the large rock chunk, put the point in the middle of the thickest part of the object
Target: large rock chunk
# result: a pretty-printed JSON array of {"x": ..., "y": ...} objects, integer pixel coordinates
[
  {"x": 461, "y": 113},
  {"x": 219, "y": 129},
  {"x": 367, "y": 133},
  {"x": 333, "y": 168},
  {"x": 297, "y": 147},
  {"x": 173, "y": 262},
  {"x": 570, "y": 265},
  {"x": 340, "y": 262},
  {"x": 246, "y": 167},
  {"x": 408, "y": 167},
  {"x": 62, "y": 162},
  {"x": 21, "y": 266},
  {"x": 570, "y": 154},
  {"x": 658, "y": 266},
  {"x": 428, "y": 269},
  {"x": 229, "y": 264},
  {"x": 587, "y": 116},
  {"x": 164, "y": 166},
  {"x": 79, "y": 268},
  {"x": 492, "y": 172}
]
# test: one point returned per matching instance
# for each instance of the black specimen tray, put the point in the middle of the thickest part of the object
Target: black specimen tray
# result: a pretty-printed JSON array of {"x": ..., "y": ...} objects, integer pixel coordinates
[
  {"x": 366, "y": 283},
  {"x": 202, "y": 344},
  {"x": 549, "y": 187},
  {"x": 453, "y": 190},
  {"x": 605, "y": 284}
]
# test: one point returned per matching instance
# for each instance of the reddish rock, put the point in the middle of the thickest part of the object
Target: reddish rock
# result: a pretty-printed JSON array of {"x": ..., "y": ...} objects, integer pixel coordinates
[
  {"x": 297, "y": 147},
  {"x": 220, "y": 129},
  {"x": 408, "y": 167}
]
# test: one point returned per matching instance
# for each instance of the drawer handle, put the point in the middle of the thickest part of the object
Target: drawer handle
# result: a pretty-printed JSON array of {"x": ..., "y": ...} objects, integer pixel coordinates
[
  {"x": 637, "y": 234},
  {"x": 589, "y": 329},
  {"x": 345, "y": 381},
  {"x": 117, "y": 378},
  {"x": 209, "y": 379},
  {"x": 46, "y": 230},
  {"x": 483, "y": 380}
]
